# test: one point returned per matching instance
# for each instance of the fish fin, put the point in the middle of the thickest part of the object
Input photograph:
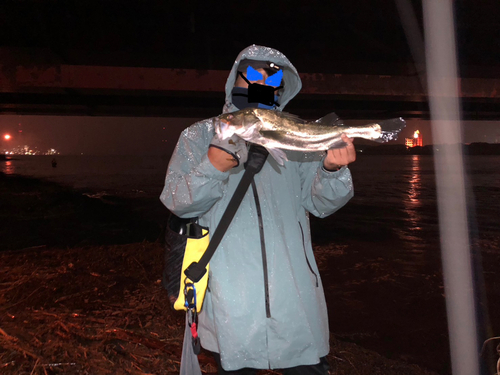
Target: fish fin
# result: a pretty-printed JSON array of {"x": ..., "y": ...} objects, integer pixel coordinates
[
  {"x": 292, "y": 117},
  {"x": 341, "y": 144},
  {"x": 330, "y": 120},
  {"x": 390, "y": 129},
  {"x": 278, "y": 155}
]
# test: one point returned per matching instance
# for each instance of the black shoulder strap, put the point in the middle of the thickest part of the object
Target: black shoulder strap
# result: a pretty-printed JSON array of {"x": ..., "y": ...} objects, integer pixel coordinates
[{"x": 256, "y": 157}]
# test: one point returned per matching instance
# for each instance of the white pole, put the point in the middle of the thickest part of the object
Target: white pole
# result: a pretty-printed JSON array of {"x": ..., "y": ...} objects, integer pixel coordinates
[{"x": 443, "y": 88}]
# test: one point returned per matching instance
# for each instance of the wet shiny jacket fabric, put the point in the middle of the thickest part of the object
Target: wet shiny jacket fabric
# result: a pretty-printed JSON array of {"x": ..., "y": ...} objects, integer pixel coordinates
[{"x": 265, "y": 305}]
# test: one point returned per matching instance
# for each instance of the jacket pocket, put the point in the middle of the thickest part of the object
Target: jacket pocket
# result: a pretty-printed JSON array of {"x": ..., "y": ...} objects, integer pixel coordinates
[{"x": 305, "y": 254}]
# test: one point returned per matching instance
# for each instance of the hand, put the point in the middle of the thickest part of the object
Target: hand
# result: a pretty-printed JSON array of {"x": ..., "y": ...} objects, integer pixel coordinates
[
  {"x": 336, "y": 158},
  {"x": 225, "y": 154}
]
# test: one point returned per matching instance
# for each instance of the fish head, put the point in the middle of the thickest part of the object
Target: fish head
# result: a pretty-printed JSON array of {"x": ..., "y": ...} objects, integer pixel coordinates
[
  {"x": 226, "y": 125},
  {"x": 242, "y": 123}
]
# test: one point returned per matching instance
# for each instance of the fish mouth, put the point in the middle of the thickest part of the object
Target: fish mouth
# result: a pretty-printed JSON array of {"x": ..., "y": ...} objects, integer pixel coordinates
[{"x": 224, "y": 129}]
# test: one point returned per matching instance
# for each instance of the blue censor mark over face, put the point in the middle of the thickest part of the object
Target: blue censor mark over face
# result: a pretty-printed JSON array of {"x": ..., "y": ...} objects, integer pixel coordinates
[{"x": 274, "y": 80}]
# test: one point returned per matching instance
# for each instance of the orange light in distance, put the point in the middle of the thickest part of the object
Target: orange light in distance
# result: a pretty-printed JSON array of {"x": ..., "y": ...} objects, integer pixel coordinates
[
  {"x": 415, "y": 135},
  {"x": 7, "y": 137}
]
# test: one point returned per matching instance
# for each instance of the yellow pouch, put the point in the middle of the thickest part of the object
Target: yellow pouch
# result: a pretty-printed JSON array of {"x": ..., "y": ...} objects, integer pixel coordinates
[{"x": 195, "y": 248}]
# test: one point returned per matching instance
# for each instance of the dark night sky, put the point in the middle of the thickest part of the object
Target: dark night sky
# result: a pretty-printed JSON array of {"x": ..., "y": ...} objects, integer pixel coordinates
[
  {"x": 358, "y": 37},
  {"x": 318, "y": 36}
]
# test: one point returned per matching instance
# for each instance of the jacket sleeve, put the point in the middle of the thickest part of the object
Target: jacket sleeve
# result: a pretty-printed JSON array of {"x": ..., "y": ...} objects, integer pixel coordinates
[
  {"x": 324, "y": 192},
  {"x": 192, "y": 184}
]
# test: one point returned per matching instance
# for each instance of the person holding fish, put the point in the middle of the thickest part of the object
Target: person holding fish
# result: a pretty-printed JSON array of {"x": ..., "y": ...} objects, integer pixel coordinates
[
  {"x": 265, "y": 306},
  {"x": 262, "y": 74}
]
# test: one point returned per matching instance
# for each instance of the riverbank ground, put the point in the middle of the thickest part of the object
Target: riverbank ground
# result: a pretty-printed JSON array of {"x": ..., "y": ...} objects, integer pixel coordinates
[
  {"x": 103, "y": 310},
  {"x": 81, "y": 293}
]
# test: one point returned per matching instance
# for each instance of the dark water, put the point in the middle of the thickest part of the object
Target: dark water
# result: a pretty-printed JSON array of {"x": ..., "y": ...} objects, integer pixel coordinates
[
  {"x": 379, "y": 255},
  {"x": 385, "y": 291}
]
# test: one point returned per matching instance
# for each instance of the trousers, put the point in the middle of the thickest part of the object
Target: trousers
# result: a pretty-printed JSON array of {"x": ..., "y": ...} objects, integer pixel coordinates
[{"x": 319, "y": 369}]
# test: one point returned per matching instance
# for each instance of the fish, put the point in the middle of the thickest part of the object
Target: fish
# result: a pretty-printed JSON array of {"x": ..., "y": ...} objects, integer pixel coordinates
[{"x": 278, "y": 131}]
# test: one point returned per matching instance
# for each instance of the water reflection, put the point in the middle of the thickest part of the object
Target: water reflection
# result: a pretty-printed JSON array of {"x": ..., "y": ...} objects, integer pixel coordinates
[
  {"x": 8, "y": 167},
  {"x": 415, "y": 181},
  {"x": 413, "y": 202},
  {"x": 413, "y": 233}
]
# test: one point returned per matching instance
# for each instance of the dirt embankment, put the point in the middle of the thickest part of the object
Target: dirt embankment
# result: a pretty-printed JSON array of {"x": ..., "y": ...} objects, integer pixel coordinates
[
  {"x": 80, "y": 291},
  {"x": 102, "y": 310}
]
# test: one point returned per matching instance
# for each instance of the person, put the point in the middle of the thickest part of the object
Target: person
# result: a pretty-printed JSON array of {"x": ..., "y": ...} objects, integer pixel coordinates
[{"x": 265, "y": 306}]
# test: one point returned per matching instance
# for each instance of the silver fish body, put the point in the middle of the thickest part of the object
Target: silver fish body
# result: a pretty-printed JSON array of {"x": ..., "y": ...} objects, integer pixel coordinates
[{"x": 278, "y": 131}]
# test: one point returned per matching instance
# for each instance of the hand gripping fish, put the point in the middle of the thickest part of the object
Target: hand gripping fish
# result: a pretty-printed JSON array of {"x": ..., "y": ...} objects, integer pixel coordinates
[{"x": 278, "y": 131}]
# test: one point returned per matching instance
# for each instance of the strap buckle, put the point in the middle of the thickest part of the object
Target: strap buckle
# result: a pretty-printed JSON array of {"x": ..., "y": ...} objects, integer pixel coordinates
[
  {"x": 189, "y": 295},
  {"x": 192, "y": 315}
]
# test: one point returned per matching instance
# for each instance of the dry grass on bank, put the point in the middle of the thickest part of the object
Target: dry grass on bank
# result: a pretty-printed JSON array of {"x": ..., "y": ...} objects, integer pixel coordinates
[{"x": 102, "y": 310}]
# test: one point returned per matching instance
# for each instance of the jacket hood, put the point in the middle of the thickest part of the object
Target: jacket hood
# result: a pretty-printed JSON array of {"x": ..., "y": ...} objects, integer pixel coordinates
[{"x": 291, "y": 79}]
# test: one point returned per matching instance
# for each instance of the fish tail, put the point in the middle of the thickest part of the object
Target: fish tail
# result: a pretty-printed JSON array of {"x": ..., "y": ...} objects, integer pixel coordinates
[{"x": 391, "y": 128}]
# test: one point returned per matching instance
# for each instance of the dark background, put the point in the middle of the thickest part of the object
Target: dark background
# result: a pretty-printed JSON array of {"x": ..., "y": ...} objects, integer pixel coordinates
[
  {"x": 318, "y": 36},
  {"x": 342, "y": 38},
  {"x": 327, "y": 37}
]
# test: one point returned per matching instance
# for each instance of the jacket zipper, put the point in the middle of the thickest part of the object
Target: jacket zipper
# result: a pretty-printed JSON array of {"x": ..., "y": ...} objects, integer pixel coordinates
[
  {"x": 305, "y": 254},
  {"x": 263, "y": 248}
]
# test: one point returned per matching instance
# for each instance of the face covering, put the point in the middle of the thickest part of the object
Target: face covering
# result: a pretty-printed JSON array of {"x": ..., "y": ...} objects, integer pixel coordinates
[
  {"x": 257, "y": 95},
  {"x": 244, "y": 98}
]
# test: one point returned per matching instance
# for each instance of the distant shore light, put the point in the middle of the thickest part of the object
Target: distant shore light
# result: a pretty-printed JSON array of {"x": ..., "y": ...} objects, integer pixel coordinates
[
  {"x": 415, "y": 141},
  {"x": 7, "y": 137}
]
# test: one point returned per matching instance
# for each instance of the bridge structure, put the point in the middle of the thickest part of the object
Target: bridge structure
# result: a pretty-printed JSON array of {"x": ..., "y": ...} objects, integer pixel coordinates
[
  {"x": 162, "y": 58},
  {"x": 165, "y": 92}
]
